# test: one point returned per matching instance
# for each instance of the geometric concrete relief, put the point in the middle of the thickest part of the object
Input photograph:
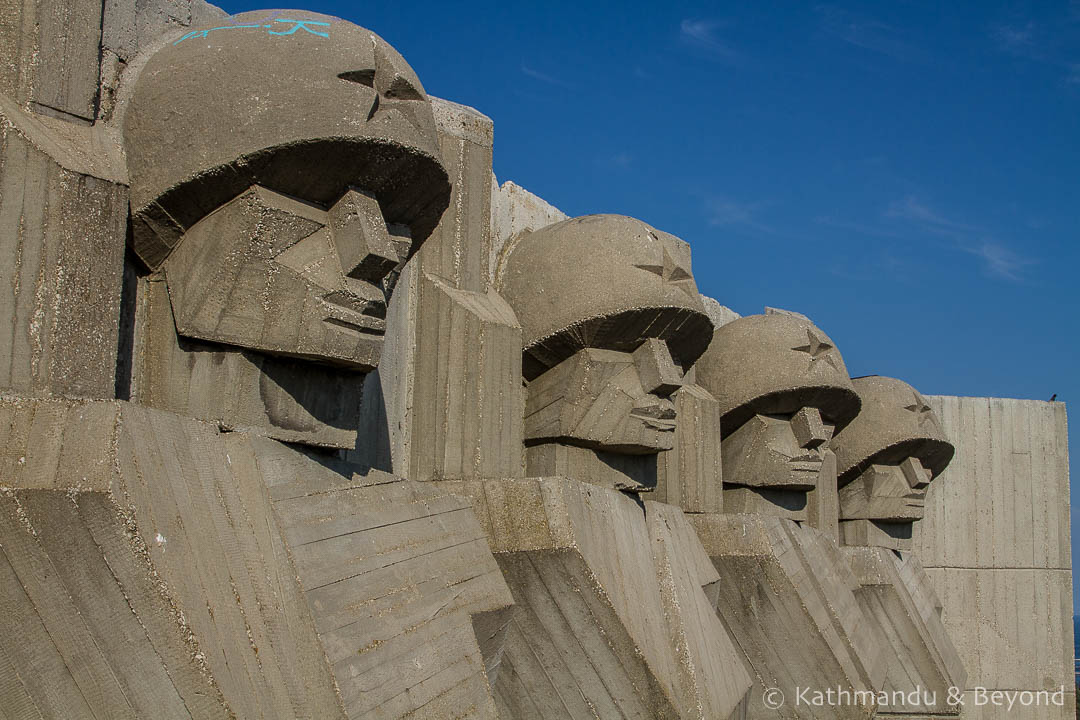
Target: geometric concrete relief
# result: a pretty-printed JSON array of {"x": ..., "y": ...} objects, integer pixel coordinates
[
  {"x": 783, "y": 390},
  {"x": 887, "y": 457},
  {"x": 303, "y": 416},
  {"x": 614, "y": 597}
]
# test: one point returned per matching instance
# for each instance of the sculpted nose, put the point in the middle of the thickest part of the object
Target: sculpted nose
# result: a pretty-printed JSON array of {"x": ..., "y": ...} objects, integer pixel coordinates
[
  {"x": 367, "y": 248},
  {"x": 658, "y": 372},
  {"x": 810, "y": 431}
]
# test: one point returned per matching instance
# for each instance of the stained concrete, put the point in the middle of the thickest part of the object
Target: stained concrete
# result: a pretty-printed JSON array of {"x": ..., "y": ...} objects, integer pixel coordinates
[
  {"x": 366, "y": 124},
  {"x": 448, "y": 325},
  {"x": 63, "y": 216}
]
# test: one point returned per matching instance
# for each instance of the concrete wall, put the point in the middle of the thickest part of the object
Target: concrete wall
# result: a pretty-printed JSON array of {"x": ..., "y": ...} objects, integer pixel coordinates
[{"x": 995, "y": 542}]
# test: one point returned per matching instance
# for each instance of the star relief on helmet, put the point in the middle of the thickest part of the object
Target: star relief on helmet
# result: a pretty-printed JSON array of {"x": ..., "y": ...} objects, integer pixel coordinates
[
  {"x": 818, "y": 350},
  {"x": 922, "y": 411},
  {"x": 671, "y": 273}
]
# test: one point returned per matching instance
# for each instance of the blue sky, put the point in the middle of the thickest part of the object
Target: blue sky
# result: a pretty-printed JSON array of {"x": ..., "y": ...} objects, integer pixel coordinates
[{"x": 906, "y": 174}]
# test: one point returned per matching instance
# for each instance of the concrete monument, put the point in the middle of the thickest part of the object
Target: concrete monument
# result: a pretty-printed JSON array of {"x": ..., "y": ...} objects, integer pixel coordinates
[
  {"x": 887, "y": 458},
  {"x": 611, "y": 320},
  {"x": 302, "y": 414},
  {"x": 783, "y": 391}
]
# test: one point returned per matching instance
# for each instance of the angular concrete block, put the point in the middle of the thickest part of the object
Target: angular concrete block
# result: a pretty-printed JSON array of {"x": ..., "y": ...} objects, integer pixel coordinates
[
  {"x": 788, "y": 598},
  {"x": 52, "y": 52},
  {"x": 281, "y": 398},
  {"x": 690, "y": 474},
  {"x": 63, "y": 216},
  {"x": 903, "y": 614},
  {"x": 447, "y": 401},
  {"x": 615, "y": 605},
  {"x": 182, "y": 572}
]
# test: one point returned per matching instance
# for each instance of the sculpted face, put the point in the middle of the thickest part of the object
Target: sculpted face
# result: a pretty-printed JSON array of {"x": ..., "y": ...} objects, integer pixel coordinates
[
  {"x": 887, "y": 493},
  {"x": 303, "y": 104},
  {"x": 270, "y": 273},
  {"x": 779, "y": 452},
  {"x": 608, "y": 400},
  {"x": 283, "y": 164},
  {"x": 887, "y": 458}
]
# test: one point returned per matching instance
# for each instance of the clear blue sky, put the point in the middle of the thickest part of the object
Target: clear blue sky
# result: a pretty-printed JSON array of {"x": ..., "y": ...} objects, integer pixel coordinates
[{"x": 906, "y": 174}]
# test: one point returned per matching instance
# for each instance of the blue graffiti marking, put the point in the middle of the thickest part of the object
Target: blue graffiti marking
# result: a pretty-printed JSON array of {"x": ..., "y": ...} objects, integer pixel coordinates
[
  {"x": 301, "y": 24},
  {"x": 297, "y": 25}
]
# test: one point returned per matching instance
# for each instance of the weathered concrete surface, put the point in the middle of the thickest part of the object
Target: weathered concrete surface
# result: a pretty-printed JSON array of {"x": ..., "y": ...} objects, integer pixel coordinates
[
  {"x": 63, "y": 213},
  {"x": 131, "y": 27},
  {"x": 719, "y": 314},
  {"x": 57, "y": 54},
  {"x": 995, "y": 543},
  {"x": 690, "y": 475},
  {"x": 446, "y": 401},
  {"x": 400, "y": 583},
  {"x": 281, "y": 398},
  {"x": 270, "y": 273},
  {"x": 50, "y": 53},
  {"x": 366, "y": 123},
  {"x": 788, "y": 597},
  {"x": 782, "y": 390},
  {"x": 515, "y": 210},
  {"x": 602, "y": 366},
  {"x": 163, "y": 569},
  {"x": 887, "y": 457},
  {"x": 615, "y": 606},
  {"x": 904, "y": 615},
  {"x": 601, "y": 281}
]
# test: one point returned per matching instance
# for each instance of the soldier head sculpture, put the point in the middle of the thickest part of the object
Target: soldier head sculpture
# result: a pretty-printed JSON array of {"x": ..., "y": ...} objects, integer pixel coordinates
[
  {"x": 611, "y": 319},
  {"x": 282, "y": 165},
  {"x": 886, "y": 459},
  {"x": 783, "y": 390}
]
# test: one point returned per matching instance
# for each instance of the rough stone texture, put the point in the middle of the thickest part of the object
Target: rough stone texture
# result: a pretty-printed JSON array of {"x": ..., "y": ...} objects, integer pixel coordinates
[
  {"x": 788, "y": 597},
  {"x": 57, "y": 53},
  {"x": 446, "y": 401},
  {"x": 995, "y": 544},
  {"x": 164, "y": 569},
  {"x": 132, "y": 28},
  {"x": 515, "y": 210},
  {"x": 615, "y": 606},
  {"x": 63, "y": 213},
  {"x": 904, "y": 614}
]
